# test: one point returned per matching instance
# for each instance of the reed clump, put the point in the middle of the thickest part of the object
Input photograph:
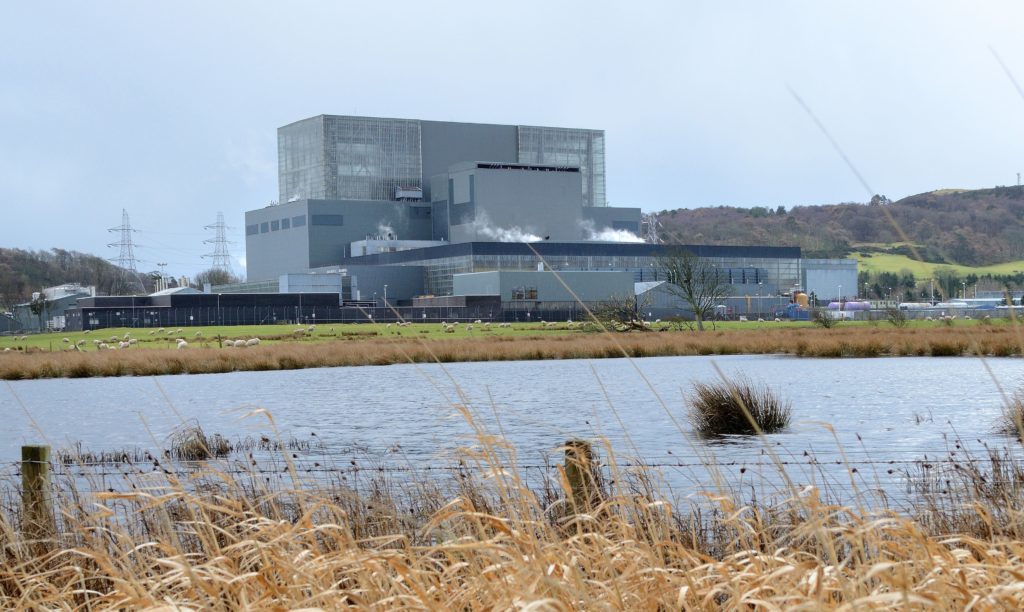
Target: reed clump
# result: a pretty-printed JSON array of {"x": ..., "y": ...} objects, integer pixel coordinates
[
  {"x": 190, "y": 443},
  {"x": 1012, "y": 420},
  {"x": 737, "y": 407}
]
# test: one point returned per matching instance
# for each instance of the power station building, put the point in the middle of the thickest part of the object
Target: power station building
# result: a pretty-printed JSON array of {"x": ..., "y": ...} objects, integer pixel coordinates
[
  {"x": 346, "y": 179},
  {"x": 432, "y": 214}
]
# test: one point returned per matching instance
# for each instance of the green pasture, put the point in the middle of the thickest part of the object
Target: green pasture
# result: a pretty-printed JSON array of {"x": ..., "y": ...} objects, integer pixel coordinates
[
  {"x": 340, "y": 332},
  {"x": 886, "y": 262}
]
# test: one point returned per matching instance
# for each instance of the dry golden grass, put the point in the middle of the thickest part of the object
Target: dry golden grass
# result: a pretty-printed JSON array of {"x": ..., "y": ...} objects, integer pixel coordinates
[
  {"x": 218, "y": 542},
  {"x": 998, "y": 341}
]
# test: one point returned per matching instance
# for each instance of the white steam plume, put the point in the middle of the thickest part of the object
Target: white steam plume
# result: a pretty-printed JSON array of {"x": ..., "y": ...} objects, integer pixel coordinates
[
  {"x": 607, "y": 234},
  {"x": 482, "y": 226},
  {"x": 386, "y": 232}
]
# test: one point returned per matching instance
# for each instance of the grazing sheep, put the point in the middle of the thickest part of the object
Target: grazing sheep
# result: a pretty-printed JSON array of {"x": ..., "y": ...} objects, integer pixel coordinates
[
  {"x": 388, "y": 326},
  {"x": 967, "y": 317},
  {"x": 127, "y": 336},
  {"x": 123, "y": 345},
  {"x": 198, "y": 333},
  {"x": 928, "y": 319},
  {"x": 312, "y": 327},
  {"x": 252, "y": 342},
  {"x": 102, "y": 345},
  {"x": 80, "y": 342},
  {"x": 332, "y": 329},
  {"x": 778, "y": 320},
  {"x": 152, "y": 331},
  {"x": 88, "y": 331},
  {"x": 96, "y": 342},
  {"x": 178, "y": 331},
  {"x": 449, "y": 330},
  {"x": 487, "y": 324},
  {"x": 161, "y": 330},
  {"x": 478, "y": 322},
  {"x": 65, "y": 340},
  {"x": 132, "y": 341},
  {"x": 469, "y": 328},
  {"x": 760, "y": 320},
  {"x": 182, "y": 344},
  {"x": 239, "y": 343},
  {"x": 114, "y": 339}
]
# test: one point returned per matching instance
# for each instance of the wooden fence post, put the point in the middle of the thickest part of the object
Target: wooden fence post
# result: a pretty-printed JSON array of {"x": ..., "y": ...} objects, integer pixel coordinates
[
  {"x": 579, "y": 472},
  {"x": 37, "y": 524}
]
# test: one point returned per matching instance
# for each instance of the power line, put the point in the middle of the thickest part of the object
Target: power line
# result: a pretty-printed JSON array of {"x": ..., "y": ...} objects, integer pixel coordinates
[
  {"x": 220, "y": 256},
  {"x": 128, "y": 280}
]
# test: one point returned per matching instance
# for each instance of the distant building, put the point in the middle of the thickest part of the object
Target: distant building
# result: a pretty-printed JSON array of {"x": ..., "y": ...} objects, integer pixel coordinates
[{"x": 346, "y": 180}]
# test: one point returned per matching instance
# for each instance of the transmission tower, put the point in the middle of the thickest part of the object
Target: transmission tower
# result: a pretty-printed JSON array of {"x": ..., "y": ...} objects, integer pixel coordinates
[
  {"x": 220, "y": 256},
  {"x": 128, "y": 280}
]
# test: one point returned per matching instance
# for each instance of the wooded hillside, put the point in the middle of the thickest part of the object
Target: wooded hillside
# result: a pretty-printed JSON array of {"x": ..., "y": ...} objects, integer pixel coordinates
[
  {"x": 22, "y": 272},
  {"x": 978, "y": 227}
]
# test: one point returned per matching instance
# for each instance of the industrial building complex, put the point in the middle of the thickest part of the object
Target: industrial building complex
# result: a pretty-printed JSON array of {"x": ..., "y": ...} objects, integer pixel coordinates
[{"x": 380, "y": 217}]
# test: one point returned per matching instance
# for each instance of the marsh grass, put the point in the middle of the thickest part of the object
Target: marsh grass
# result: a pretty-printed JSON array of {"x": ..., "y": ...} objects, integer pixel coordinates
[
  {"x": 190, "y": 443},
  {"x": 847, "y": 341},
  {"x": 484, "y": 535},
  {"x": 737, "y": 407}
]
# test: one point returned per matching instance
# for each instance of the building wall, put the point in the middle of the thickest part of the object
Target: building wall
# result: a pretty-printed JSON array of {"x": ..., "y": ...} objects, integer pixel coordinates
[
  {"x": 403, "y": 282},
  {"x": 824, "y": 277},
  {"x": 505, "y": 204},
  {"x": 272, "y": 252},
  {"x": 545, "y": 286},
  {"x": 447, "y": 143}
]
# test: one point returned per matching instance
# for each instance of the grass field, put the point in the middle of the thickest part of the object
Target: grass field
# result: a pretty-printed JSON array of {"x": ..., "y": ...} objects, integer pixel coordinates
[{"x": 882, "y": 262}]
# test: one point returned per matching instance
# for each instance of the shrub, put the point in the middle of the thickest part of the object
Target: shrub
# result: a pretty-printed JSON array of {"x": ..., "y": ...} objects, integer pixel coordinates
[
  {"x": 896, "y": 317},
  {"x": 823, "y": 318},
  {"x": 728, "y": 408}
]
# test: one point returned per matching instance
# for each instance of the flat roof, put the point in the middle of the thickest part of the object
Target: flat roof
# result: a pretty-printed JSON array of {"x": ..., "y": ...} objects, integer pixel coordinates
[{"x": 554, "y": 249}]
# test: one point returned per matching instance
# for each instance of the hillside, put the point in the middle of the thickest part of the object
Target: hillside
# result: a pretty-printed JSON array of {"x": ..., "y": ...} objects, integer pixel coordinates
[
  {"x": 973, "y": 228},
  {"x": 22, "y": 272}
]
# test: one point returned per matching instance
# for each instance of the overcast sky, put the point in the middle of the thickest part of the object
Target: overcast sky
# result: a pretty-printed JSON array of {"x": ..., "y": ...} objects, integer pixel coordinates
[{"x": 170, "y": 110}]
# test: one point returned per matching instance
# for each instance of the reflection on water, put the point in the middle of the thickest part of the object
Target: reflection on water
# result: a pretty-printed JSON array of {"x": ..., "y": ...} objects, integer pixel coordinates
[{"x": 882, "y": 413}]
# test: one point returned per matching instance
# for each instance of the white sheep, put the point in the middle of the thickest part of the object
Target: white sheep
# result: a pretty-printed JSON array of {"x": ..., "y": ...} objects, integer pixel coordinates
[
  {"x": 182, "y": 344},
  {"x": 178, "y": 331},
  {"x": 449, "y": 330},
  {"x": 80, "y": 342},
  {"x": 114, "y": 339},
  {"x": 478, "y": 322},
  {"x": 760, "y": 320},
  {"x": 102, "y": 345},
  {"x": 96, "y": 342},
  {"x": 198, "y": 333},
  {"x": 469, "y": 328},
  {"x": 152, "y": 331},
  {"x": 123, "y": 345},
  {"x": 161, "y": 330},
  {"x": 239, "y": 343},
  {"x": 88, "y": 331},
  {"x": 66, "y": 340},
  {"x": 252, "y": 342},
  {"x": 388, "y": 326},
  {"x": 7, "y": 349},
  {"x": 132, "y": 341},
  {"x": 127, "y": 336},
  {"x": 299, "y": 331},
  {"x": 312, "y": 327}
]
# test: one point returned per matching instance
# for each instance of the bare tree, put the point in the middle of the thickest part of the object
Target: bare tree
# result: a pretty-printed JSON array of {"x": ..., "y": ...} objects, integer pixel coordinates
[{"x": 696, "y": 281}]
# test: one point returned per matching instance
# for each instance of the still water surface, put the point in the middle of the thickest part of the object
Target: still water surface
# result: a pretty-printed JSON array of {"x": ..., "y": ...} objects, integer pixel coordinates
[{"x": 888, "y": 409}]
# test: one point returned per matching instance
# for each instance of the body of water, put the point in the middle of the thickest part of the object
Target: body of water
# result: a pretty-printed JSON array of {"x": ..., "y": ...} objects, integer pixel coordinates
[{"x": 877, "y": 413}]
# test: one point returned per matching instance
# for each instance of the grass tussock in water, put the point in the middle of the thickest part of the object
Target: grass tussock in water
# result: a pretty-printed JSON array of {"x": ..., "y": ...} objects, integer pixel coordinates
[
  {"x": 737, "y": 407},
  {"x": 486, "y": 537},
  {"x": 845, "y": 341},
  {"x": 1012, "y": 420}
]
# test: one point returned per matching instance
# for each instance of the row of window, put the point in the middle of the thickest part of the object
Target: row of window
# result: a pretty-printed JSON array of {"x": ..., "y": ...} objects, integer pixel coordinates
[{"x": 277, "y": 224}]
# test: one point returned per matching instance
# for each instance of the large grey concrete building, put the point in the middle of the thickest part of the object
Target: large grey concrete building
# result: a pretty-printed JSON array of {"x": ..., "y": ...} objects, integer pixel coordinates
[{"x": 344, "y": 179}]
